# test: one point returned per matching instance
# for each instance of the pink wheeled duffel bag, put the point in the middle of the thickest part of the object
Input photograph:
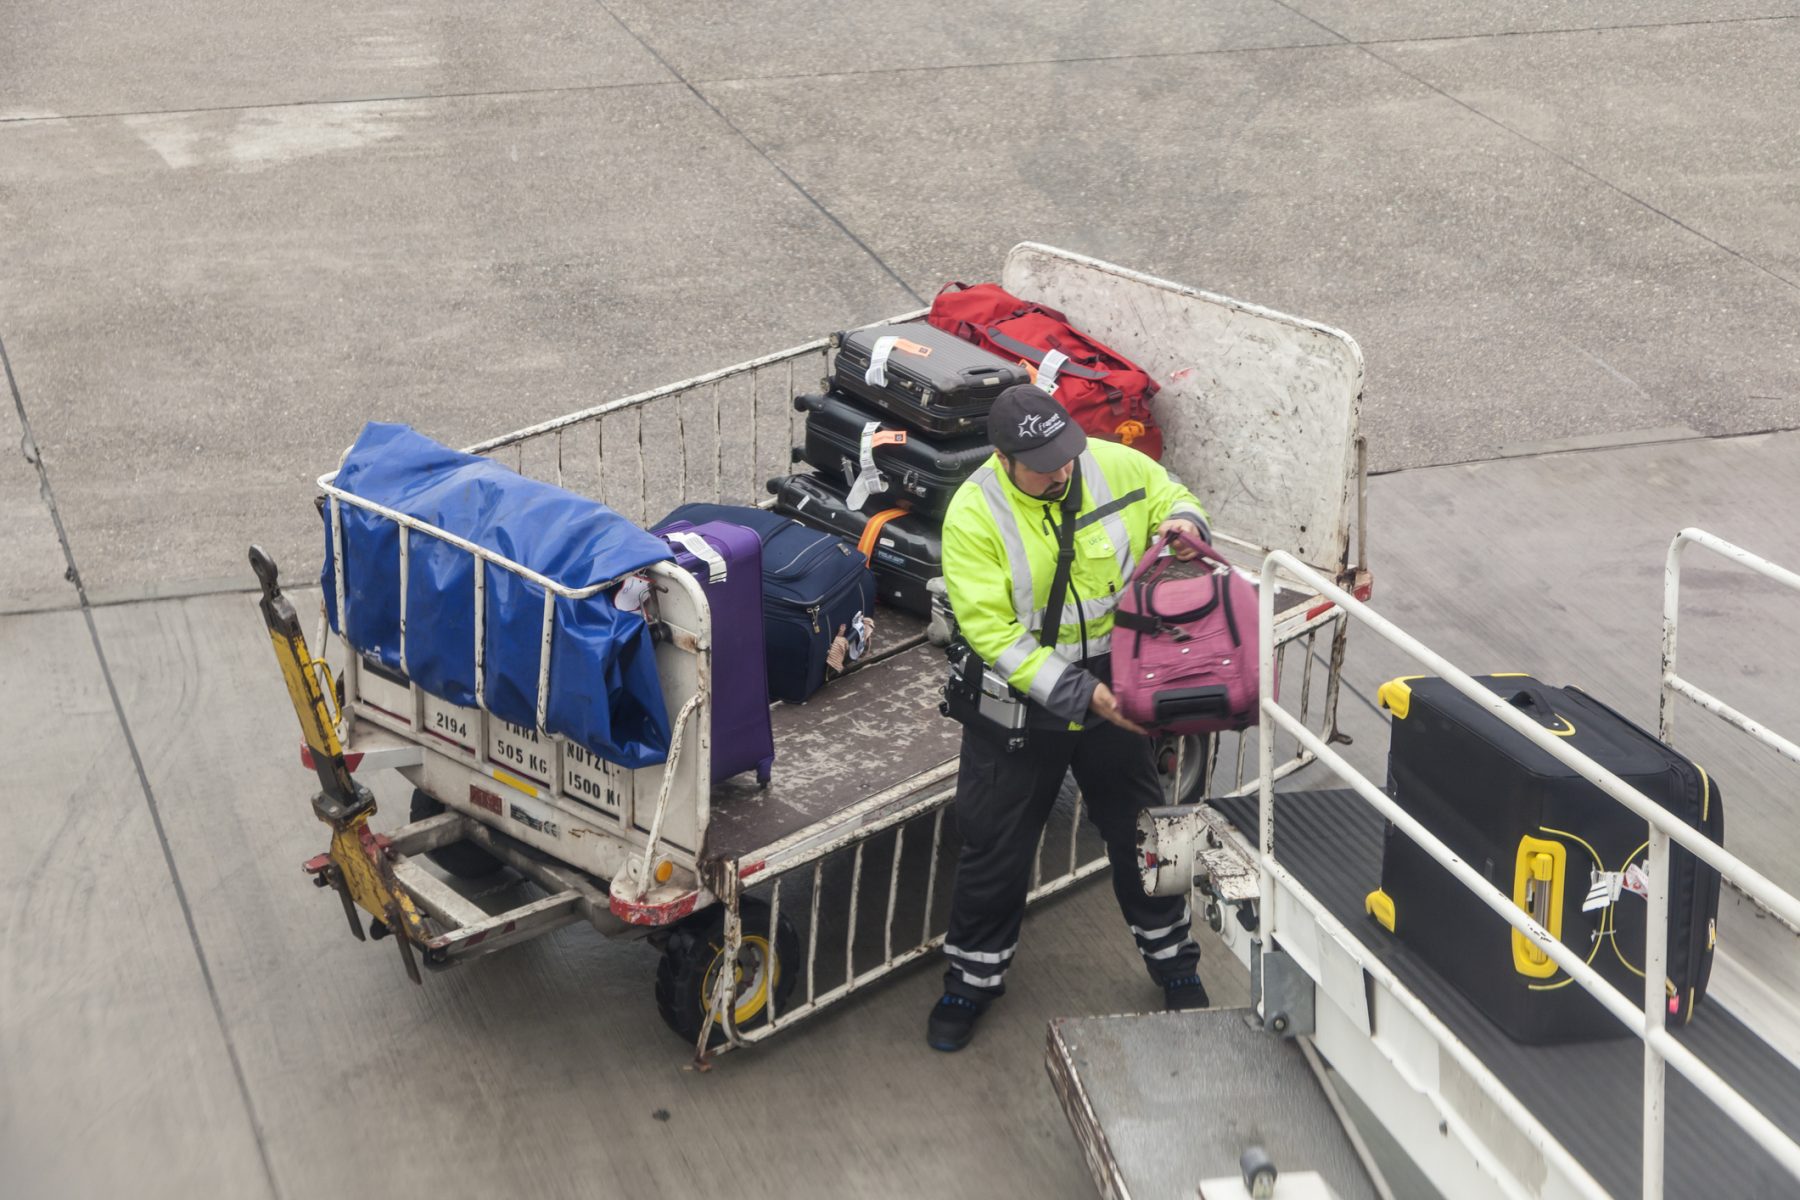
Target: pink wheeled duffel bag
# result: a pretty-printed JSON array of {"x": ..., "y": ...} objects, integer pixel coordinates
[{"x": 1184, "y": 650}]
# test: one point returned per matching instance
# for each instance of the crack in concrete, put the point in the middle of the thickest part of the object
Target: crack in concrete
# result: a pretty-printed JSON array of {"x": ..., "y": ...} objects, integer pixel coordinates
[
  {"x": 34, "y": 456},
  {"x": 1558, "y": 156},
  {"x": 764, "y": 155},
  {"x": 679, "y": 80},
  {"x": 1625, "y": 27},
  {"x": 1595, "y": 449}
]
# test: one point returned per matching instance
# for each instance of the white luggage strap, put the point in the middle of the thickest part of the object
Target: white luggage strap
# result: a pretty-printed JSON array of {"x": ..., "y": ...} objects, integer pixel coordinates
[
  {"x": 876, "y": 375},
  {"x": 700, "y": 549},
  {"x": 869, "y": 480}
]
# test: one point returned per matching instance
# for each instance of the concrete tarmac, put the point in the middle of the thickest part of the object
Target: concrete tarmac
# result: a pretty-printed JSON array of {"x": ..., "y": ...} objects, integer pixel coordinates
[{"x": 1562, "y": 234}]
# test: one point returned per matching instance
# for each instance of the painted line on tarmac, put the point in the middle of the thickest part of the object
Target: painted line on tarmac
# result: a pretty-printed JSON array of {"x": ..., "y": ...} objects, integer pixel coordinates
[
  {"x": 345, "y": 102},
  {"x": 36, "y": 459}
]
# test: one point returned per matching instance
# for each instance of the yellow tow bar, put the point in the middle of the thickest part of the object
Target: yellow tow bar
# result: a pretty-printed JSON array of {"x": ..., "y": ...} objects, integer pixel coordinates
[{"x": 358, "y": 866}]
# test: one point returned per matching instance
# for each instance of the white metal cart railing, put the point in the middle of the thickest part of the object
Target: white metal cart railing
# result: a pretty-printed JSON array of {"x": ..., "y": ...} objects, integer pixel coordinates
[
  {"x": 1646, "y": 1020},
  {"x": 1674, "y": 685}
]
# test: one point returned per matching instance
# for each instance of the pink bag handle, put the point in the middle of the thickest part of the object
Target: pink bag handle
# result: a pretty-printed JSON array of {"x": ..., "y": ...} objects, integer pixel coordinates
[
  {"x": 1149, "y": 574},
  {"x": 1153, "y": 561}
]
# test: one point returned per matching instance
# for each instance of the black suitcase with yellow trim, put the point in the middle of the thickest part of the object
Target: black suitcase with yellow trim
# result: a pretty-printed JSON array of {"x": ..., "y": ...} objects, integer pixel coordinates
[{"x": 1564, "y": 851}]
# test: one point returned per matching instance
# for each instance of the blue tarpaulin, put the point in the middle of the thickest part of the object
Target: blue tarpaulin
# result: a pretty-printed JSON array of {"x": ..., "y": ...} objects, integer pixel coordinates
[{"x": 604, "y": 692}]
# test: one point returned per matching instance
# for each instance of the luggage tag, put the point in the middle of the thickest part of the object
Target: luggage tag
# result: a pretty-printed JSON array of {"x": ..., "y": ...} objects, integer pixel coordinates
[
  {"x": 631, "y": 594},
  {"x": 876, "y": 374},
  {"x": 697, "y": 546},
  {"x": 869, "y": 479},
  {"x": 1044, "y": 375},
  {"x": 853, "y": 640},
  {"x": 1603, "y": 890},
  {"x": 1608, "y": 886}
]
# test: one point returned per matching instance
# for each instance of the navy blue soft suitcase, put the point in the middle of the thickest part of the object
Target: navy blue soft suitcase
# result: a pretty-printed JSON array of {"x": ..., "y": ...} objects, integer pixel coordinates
[{"x": 815, "y": 586}]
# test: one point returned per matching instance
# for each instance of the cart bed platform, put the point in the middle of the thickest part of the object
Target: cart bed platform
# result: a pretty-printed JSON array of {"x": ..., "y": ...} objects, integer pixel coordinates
[{"x": 863, "y": 734}]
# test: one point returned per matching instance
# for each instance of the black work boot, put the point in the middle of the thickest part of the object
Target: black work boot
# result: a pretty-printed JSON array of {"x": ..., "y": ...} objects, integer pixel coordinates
[
  {"x": 952, "y": 1022},
  {"x": 1184, "y": 993}
]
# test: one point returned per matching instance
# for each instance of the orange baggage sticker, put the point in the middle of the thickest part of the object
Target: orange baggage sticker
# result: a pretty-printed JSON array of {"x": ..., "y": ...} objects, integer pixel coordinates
[
  {"x": 1130, "y": 431},
  {"x": 887, "y": 437},
  {"x": 912, "y": 348}
]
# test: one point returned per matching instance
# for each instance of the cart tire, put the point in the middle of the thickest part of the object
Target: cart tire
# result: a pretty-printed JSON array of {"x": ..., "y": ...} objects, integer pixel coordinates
[
  {"x": 464, "y": 860},
  {"x": 692, "y": 956},
  {"x": 1195, "y": 754}
]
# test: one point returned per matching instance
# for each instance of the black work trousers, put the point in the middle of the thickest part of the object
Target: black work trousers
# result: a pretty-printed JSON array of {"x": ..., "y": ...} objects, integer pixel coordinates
[{"x": 1002, "y": 803}]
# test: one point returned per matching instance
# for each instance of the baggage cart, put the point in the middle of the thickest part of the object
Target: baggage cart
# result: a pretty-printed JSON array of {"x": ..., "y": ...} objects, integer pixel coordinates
[{"x": 769, "y": 904}]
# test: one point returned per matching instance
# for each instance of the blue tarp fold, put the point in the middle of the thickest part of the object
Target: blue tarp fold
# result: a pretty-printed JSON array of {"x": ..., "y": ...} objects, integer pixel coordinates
[{"x": 604, "y": 691}]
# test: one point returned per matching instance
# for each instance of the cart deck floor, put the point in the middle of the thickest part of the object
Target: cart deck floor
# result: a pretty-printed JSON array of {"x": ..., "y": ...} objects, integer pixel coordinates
[
  {"x": 862, "y": 734},
  {"x": 876, "y": 727},
  {"x": 1587, "y": 1095}
]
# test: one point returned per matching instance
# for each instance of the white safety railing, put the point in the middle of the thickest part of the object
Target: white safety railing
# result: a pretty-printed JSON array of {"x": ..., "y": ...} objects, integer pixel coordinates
[
  {"x": 716, "y": 438},
  {"x": 881, "y": 825},
  {"x": 913, "y": 813},
  {"x": 1673, "y": 684},
  {"x": 1645, "y": 1020}
]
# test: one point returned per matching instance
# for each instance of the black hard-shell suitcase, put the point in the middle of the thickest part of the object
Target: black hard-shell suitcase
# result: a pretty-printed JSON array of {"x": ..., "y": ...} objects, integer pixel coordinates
[
  {"x": 906, "y": 552},
  {"x": 922, "y": 471},
  {"x": 935, "y": 381},
  {"x": 1552, "y": 841}
]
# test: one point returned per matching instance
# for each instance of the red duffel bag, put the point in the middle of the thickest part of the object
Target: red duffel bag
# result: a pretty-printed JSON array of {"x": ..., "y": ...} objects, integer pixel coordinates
[{"x": 1107, "y": 394}]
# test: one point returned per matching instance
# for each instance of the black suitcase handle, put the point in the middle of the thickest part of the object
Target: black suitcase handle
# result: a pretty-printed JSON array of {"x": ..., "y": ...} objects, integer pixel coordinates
[
  {"x": 1535, "y": 700},
  {"x": 1179, "y": 703}
]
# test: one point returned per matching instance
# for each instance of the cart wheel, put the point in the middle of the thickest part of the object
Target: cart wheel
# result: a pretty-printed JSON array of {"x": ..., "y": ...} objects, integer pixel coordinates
[
  {"x": 1182, "y": 761},
  {"x": 462, "y": 859},
  {"x": 694, "y": 955}
]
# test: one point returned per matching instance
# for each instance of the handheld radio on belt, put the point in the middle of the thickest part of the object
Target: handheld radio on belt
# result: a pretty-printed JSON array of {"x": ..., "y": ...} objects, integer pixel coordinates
[{"x": 979, "y": 697}]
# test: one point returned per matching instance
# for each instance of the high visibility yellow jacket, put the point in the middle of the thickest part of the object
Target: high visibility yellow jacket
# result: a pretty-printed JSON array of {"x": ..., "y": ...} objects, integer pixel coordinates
[{"x": 1000, "y": 557}]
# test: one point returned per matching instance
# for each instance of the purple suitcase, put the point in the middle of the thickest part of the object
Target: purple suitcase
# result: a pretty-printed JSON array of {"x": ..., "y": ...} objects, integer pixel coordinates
[{"x": 726, "y": 560}]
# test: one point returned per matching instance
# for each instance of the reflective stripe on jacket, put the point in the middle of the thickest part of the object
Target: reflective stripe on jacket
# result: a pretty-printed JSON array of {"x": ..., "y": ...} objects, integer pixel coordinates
[{"x": 1000, "y": 557}]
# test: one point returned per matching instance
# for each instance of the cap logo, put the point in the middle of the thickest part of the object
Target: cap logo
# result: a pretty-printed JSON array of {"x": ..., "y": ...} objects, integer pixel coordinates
[{"x": 1038, "y": 425}]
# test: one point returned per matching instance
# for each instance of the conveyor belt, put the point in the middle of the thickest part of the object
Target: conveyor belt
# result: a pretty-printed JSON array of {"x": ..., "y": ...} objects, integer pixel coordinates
[{"x": 1589, "y": 1096}]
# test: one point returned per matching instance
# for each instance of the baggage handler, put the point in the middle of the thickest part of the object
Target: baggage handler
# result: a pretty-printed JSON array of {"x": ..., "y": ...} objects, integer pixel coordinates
[{"x": 1001, "y": 540}]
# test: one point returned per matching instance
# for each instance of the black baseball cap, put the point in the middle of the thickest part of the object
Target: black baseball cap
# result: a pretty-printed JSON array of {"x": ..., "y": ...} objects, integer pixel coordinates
[{"x": 1028, "y": 426}]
